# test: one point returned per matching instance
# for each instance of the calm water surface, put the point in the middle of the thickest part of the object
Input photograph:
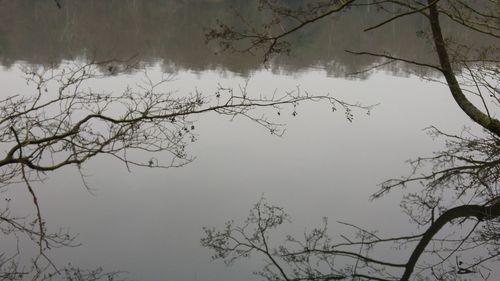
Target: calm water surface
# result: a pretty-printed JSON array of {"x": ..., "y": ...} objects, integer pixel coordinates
[{"x": 148, "y": 221}]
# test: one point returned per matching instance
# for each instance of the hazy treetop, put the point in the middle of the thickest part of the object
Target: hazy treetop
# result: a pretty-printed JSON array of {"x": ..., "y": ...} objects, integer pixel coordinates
[{"x": 172, "y": 32}]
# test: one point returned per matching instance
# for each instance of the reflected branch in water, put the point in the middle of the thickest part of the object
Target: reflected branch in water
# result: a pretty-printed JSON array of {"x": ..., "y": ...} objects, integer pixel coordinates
[
  {"x": 318, "y": 257},
  {"x": 120, "y": 29},
  {"x": 461, "y": 189},
  {"x": 65, "y": 122}
]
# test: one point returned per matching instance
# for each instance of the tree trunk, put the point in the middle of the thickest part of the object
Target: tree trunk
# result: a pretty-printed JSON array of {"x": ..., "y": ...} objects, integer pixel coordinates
[{"x": 487, "y": 122}]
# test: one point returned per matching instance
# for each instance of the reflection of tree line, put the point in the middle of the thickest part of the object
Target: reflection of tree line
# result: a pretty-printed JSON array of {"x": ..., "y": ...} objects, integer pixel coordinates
[
  {"x": 454, "y": 193},
  {"x": 460, "y": 189},
  {"x": 172, "y": 31}
]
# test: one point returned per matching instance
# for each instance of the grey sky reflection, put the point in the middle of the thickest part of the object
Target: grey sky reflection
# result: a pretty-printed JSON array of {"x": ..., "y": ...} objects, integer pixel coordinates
[{"x": 149, "y": 222}]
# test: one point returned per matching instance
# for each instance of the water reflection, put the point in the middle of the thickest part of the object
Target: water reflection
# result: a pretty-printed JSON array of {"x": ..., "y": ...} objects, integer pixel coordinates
[
  {"x": 150, "y": 223},
  {"x": 37, "y": 32}
]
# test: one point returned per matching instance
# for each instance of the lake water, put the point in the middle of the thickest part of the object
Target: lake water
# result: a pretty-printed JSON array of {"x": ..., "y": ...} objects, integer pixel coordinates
[{"x": 149, "y": 222}]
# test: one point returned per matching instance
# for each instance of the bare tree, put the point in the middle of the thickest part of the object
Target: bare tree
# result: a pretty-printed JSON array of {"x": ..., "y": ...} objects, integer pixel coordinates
[
  {"x": 66, "y": 122},
  {"x": 480, "y": 64},
  {"x": 353, "y": 256},
  {"x": 461, "y": 190}
]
